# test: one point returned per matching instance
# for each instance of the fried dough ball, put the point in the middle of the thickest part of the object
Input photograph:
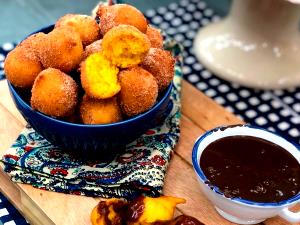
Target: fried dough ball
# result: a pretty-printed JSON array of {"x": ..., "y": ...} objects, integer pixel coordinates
[
  {"x": 155, "y": 37},
  {"x": 100, "y": 111},
  {"x": 22, "y": 66},
  {"x": 114, "y": 15},
  {"x": 99, "y": 77},
  {"x": 54, "y": 93},
  {"x": 62, "y": 49},
  {"x": 92, "y": 48},
  {"x": 160, "y": 63},
  {"x": 139, "y": 91},
  {"x": 33, "y": 42},
  {"x": 125, "y": 46},
  {"x": 159, "y": 209},
  {"x": 141, "y": 211},
  {"x": 86, "y": 26}
]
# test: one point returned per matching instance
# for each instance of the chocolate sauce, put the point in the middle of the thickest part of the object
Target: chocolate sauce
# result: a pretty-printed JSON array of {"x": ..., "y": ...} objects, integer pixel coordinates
[
  {"x": 185, "y": 220},
  {"x": 102, "y": 209},
  {"x": 126, "y": 211},
  {"x": 135, "y": 209},
  {"x": 119, "y": 207},
  {"x": 251, "y": 168}
]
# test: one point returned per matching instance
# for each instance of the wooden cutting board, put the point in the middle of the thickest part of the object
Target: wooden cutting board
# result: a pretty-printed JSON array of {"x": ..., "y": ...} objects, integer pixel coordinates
[{"x": 199, "y": 114}]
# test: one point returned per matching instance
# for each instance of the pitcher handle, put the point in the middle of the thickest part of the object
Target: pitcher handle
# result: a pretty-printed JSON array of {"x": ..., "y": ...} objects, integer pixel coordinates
[{"x": 289, "y": 215}]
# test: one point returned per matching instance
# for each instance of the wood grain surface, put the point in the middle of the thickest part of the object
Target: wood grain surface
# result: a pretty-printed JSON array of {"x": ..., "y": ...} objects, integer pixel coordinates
[{"x": 199, "y": 114}]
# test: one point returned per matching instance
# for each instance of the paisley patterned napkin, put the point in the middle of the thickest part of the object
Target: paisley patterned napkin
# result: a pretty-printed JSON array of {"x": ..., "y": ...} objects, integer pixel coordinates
[{"x": 140, "y": 169}]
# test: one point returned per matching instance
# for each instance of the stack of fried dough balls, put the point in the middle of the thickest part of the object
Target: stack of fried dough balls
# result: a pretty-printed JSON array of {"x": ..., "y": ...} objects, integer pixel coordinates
[{"x": 119, "y": 61}]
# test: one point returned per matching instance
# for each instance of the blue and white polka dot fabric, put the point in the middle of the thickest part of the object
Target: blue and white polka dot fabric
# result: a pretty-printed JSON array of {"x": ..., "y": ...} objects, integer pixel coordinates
[
  {"x": 4, "y": 49},
  {"x": 9, "y": 214},
  {"x": 275, "y": 110}
]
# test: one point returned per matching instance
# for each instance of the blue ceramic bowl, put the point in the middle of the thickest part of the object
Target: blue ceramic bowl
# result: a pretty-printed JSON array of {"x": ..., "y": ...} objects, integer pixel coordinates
[{"x": 92, "y": 140}]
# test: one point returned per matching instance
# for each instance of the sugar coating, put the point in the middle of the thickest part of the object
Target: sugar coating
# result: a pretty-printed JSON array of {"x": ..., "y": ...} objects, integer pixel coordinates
[
  {"x": 22, "y": 66},
  {"x": 155, "y": 37},
  {"x": 62, "y": 49},
  {"x": 139, "y": 91},
  {"x": 100, "y": 111},
  {"x": 114, "y": 15},
  {"x": 86, "y": 26},
  {"x": 54, "y": 93},
  {"x": 92, "y": 48},
  {"x": 163, "y": 72}
]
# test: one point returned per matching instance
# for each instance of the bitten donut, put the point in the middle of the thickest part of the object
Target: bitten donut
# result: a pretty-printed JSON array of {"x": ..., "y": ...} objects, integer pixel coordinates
[
  {"x": 92, "y": 48},
  {"x": 114, "y": 15},
  {"x": 54, "y": 93},
  {"x": 100, "y": 111},
  {"x": 139, "y": 91},
  {"x": 99, "y": 77},
  {"x": 86, "y": 26},
  {"x": 161, "y": 64},
  {"x": 139, "y": 211},
  {"x": 62, "y": 49},
  {"x": 125, "y": 46}
]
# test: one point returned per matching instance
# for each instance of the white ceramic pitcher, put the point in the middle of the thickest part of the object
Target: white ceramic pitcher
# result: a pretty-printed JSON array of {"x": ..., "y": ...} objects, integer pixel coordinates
[{"x": 256, "y": 45}]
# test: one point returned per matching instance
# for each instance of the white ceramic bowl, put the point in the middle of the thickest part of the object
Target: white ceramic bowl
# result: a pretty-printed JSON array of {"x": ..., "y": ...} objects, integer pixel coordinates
[{"x": 239, "y": 210}]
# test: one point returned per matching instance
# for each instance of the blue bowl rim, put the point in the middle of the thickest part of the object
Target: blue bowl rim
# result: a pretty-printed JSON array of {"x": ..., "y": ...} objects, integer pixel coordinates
[
  {"x": 204, "y": 179},
  {"x": 123, "y": 122}
]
